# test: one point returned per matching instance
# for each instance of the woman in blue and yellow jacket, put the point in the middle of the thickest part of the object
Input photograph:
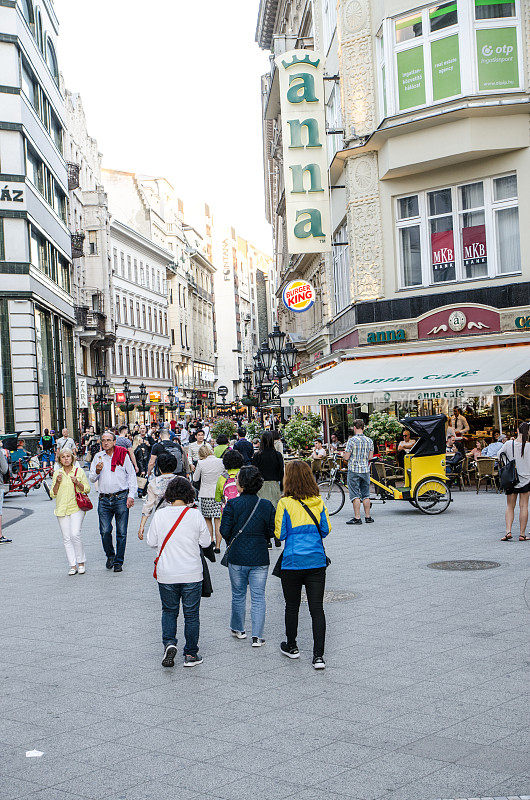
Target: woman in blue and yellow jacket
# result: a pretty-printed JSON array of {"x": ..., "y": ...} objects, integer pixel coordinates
[{"x": 302, "y": 522}]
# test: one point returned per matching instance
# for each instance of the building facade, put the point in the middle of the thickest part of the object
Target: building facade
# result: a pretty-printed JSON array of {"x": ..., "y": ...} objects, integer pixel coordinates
[
  {"x": 92, "y": 285},
  {"x": 142, "y": 349},
  {"x": 428, "y": 155},
  {"x": 37, "y": 372}
]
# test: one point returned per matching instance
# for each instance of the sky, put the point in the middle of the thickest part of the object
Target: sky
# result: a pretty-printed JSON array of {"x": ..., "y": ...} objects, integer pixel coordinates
[{"x": 172, "y": 88}]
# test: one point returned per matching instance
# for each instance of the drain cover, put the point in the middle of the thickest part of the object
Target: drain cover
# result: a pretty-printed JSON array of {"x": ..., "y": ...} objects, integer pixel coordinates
[
  {"x": 460, "y": 566},
  {"x": 333, "y": 596}
]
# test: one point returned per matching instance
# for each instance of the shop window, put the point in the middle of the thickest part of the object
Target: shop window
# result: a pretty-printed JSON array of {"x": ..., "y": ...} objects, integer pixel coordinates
[{"x": 459, "y": 233}]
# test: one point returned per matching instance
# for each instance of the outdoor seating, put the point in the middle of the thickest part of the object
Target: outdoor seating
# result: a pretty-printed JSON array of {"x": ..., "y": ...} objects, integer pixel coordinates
[{"x": 486, "y": 472}]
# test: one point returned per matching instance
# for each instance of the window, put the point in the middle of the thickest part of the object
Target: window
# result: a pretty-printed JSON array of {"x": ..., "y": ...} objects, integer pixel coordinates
[
  {"x": 29, "y": 15},
  {"x": 341, "y": 268},
  {"x": 153, "y": 374},
  {"x": 127, "y": 362},
  {"x": 334, "y": 122},
  {"x": 124, "y": 305},
  {"x": 122, "y": 265},
  {"x": 459, "y": 233},
  {"x": 131, "y": 312},
  {"x": 120, "y": 359},
  {"x": 140, "y": 364},
  {"x": 115, "y": 261},
  {"x": 172, "y": 336},
  {"x": 92, "y": 243},
  {"x": 48, "y": 260},
  {"x": 160, "y": 323},
  {"x": 158, "y": 284},
  {"x": 142, "y": 278},
  {"x": 150, "y": 317},
  {"x": 135, "y": 271},
  {"x": 146, "y": 363},
  {"x": 165, "y": 322},
  {"x": 181, "y": 336},
  {"x": 51, "y": 60},
  {"x": 118, "y": 315},
  {"x": 155, "y": 320},
  {"x": 144, "y": 321},
  {"x": 447, "y": 50},
  {"x": 138, "y": 323},
  {"x": 134, "y": 371},
  {"x": 129, "y": 268}
]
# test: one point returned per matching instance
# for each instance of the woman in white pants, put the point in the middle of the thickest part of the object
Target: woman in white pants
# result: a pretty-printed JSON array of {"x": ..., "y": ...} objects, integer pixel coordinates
[{"x": 66, "y": 481}]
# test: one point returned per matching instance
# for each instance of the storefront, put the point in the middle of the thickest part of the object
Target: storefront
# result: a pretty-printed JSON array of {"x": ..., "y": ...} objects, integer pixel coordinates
[{"x": 491, "y": 385}]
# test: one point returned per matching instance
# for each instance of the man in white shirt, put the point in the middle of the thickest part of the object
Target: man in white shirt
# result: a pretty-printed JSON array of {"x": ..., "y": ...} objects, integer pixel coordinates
[
  {"x": 65, "y": 442},
  {"x": 184, "y": 436},
  {"x": 113, "y": 468}
]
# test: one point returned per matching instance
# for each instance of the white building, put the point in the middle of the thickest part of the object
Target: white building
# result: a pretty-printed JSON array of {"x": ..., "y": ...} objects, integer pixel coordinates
[
  {"x": 37, "y": 373},
  {"x": 142, "y": 350}
]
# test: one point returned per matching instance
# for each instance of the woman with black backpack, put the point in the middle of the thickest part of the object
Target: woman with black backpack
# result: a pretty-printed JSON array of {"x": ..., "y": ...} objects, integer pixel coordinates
[
  {"x": 518, "y": 451},
  {"x": 269, "y": 461}
]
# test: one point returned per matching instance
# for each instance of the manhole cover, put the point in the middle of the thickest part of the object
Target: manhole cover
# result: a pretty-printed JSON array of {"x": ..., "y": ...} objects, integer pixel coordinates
[
  {"x": 460, "y": 566},
  {"x": 332, "y": 596}
]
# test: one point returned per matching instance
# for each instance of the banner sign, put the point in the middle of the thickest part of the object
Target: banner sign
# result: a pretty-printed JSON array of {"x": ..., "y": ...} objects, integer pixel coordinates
[
  {"x": 82, "y": 393},
  {"x": 12, "y": 196},
  {"x": 120, "y": 397},
  {"x": 155, "y": 397},
  {"x": 411, "y": 78},
  {"x": 474, "y": 245},
  {"x": 305, "y": 165},
  {"x": 497, "y": 57},
  {"x": 445, "y": 62},
  {"x": 442, "y": 252},
  {"x": 298, "y": 296},
  {"x": 459, "y": 321}
]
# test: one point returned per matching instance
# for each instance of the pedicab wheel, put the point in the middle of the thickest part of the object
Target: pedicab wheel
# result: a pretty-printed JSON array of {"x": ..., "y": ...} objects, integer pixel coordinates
[
  {"x": 432, "y": 495},
  {"x": 412, "y": 502},
  {"x": 332, "y": 494},
  {"x": 47, "y": 489}
]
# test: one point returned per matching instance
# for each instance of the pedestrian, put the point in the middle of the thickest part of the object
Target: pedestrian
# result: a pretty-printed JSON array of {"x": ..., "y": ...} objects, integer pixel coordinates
[
  {"x": 207, "y": 472},
  {"x": 247, "y": 526},
  {"x": 165, "y": 445},
  {"x": 221, "y": 445},
  {"x": 358, "y": 452},
  {"x": 123, "y": 440},
  {"x": 244, "y": 446},
  {"x": 20, "y": 456},
  {"x": 278, "y": 444},
  {"x": 47, "y": 446},
  {"x": 113, "y": 470},
  {"x": 4, "y": 476},
  {"x": 270, "y": 464},
  {"x": 156, "y": 489},
  {"x": 518, "y": 450},
  {"x": 67, "y": 480},
  {"x": 65, "y": 442},
  {"x": 302, "y": 522},
  {"x": 177, "y": 532},
  {"x": 194, "y": 447}
]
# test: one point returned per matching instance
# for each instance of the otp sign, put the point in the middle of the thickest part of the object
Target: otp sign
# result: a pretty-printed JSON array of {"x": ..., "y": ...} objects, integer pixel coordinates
[{"x": 298, "y": 296}]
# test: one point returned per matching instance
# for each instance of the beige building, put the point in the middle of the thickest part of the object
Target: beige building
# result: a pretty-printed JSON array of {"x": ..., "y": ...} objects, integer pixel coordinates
[{"x": 429, "y": 160}]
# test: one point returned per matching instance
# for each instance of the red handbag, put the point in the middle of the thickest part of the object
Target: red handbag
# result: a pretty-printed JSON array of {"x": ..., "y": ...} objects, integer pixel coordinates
[{"x": 82, "y": 499}]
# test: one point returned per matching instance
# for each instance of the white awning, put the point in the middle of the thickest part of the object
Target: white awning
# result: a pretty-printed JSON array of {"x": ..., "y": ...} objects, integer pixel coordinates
[{"x": 462, "y": 374}]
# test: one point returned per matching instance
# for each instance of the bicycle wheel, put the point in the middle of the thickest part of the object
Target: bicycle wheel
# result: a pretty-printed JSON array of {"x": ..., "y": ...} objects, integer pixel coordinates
[
  {"x": 333, "y": 496},
  {"x": 47, "y": 489},
  {"x": 432, "y": 495}
]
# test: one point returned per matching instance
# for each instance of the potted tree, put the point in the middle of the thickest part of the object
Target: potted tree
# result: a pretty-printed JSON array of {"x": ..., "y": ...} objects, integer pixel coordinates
[
  {"x": 299, "y": 434},
  {"x": 383, "y": 428}
]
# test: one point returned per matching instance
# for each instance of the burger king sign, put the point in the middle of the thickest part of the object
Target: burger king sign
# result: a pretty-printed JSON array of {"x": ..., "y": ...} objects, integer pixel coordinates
[{"x": 298, "y": 296}]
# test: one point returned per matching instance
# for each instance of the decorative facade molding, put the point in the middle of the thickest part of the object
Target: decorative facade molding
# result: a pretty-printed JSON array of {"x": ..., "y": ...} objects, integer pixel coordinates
[
  {"x": 365, "y": 228},
  {"x": 356, "y": 67}
]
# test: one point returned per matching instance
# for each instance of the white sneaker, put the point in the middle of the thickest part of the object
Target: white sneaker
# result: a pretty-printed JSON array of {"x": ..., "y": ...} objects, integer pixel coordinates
[
  {"x": 81, "y": 569},
  {"x": 238, "y": 634},
  {"x": 257, "y": 642},
  {"x": 72, "y": 571}
]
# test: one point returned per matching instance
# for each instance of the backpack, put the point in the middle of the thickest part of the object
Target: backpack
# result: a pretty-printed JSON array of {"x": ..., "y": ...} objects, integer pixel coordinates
[
  {"x": 230, "y": 491},
  {"x": 176, "y": 451}
]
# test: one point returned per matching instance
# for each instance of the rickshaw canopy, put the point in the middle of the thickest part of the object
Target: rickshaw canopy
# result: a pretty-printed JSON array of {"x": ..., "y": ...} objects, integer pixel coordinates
[{"x": 430, "y": 432}]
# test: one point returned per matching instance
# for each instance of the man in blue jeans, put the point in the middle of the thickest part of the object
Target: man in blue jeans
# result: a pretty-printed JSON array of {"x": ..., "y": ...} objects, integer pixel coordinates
[
  {"x": 359, "y": 451},
  {"x": 117, "y": 484}
]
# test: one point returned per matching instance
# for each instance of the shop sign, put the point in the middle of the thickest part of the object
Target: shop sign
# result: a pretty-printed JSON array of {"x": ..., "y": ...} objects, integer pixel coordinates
[
  {"x": 461, "y": 321},
  {"x": 82, "y": 393},
  {"x": 411, "y": 78},
  {"x": 305, "y": 165},
  {"x": 474, "y": 245},
  {"x": 523, "y": 323},
  {"x": 497, "y": 57},
  {"x": 12, "y": 196},
  {"x": 155, "y": 397},
  {"x": 445, "y": 62},
  {"x": 380, "y": 337},
  {"x": 442, "y": 251},
  {"x": 298, "y": 296},
  {"x": 120, "y": 397},
  {"x": 222, "y": 391}
]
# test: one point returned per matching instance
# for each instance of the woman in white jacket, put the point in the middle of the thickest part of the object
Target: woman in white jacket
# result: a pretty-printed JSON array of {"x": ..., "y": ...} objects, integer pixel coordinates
[
  {"x": 208, "y": 470},
  {"x": 178, "y": 568}
]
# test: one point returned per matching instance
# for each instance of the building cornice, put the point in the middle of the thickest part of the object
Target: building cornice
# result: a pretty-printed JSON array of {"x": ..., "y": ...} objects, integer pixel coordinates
[{"x": 266, "y": 20}]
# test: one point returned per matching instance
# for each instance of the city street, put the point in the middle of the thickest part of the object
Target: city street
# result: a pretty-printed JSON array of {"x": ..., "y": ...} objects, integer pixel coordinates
[{"x": 425, "y": 694}]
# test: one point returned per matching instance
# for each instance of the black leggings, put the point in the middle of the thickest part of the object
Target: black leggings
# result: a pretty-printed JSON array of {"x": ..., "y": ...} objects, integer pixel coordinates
[{"x": 314, "y": 581}]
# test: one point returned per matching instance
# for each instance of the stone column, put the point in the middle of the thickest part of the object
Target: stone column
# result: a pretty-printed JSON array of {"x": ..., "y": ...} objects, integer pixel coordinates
[{"x": 365, "y": 231}]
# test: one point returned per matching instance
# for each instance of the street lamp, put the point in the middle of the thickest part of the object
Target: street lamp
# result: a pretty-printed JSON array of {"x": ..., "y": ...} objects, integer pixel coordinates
[
  {"x": 171, "y": 405},
  {"x": 143, "y": 398},
  {"x": 247, "y": 386},
  {"x": 127, "y": 394},
  {"x": 276, "y": 362},
  {"x": 101, "y": 386}
]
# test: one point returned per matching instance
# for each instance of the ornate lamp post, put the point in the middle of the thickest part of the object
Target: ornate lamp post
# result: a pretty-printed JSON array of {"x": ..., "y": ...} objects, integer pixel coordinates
[
  {"x": 211, "y": 402},
  {"x": 276, "y": 362},
  {"x": 101, "y": 386},
  {"x": 171, "y": 405},
  {"x": 143, "y": 398},
  {"x": 247, "y": 386},
  {"x": 127, "y": 393}
]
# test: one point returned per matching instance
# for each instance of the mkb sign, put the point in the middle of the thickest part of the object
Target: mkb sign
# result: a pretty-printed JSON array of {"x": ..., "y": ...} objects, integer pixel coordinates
[{"x": 304, "y": 151}]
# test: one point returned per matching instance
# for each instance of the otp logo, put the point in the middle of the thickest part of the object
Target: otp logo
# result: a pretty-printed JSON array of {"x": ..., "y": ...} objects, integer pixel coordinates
[{"x": 298, "y": 296}]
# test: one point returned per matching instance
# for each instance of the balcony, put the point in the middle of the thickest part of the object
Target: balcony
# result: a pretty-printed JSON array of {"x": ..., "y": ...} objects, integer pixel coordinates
[
  {"x": 78, "y": 240},
  {"x": 91, "y": 324},
  {"x": 73, "y": 176}
]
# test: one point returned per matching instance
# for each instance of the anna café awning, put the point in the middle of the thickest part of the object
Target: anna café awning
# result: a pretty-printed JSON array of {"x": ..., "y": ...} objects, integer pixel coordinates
[{"x": 451, "y": 375}]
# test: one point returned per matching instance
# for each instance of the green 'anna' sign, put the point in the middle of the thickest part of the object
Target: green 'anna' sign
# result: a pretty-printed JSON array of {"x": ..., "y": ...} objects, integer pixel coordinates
[
  {"x": 445, "y": 61},
  {"x": 411, "y": 78},
  {"x": 497, "y": 57}
]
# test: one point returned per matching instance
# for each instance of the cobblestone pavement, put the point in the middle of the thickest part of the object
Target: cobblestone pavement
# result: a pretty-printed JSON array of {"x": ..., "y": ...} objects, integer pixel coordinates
[{"x": 425, "y": 695}]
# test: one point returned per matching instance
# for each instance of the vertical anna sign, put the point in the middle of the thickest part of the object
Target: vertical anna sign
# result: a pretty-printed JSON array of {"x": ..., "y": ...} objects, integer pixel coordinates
[{"x": 301, "y": 74}]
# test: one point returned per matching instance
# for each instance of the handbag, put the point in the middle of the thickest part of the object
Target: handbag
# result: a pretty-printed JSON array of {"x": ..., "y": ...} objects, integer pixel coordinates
[
  {"x": 83, "y": 501},
  {"x": 508, "y": 475},
  {"x": 168, "y": 537},
  {"x": 142, "y": 482},
  {"x": 224, "y": 560},
  {"x": 277, "y": 571},
  {"x": 207, "y": 587}
]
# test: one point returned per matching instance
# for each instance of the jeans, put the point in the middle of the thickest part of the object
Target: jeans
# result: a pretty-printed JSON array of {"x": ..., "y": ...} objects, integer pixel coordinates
[
  {"x": 240, "y": 578},
  {"x": 171, "y": 594},
  {"x": 109, "y": 507},
  {"x": 359, "y": 485},
  {"x": 314, "y": 581},
  {"x": 70, "y": 526}
]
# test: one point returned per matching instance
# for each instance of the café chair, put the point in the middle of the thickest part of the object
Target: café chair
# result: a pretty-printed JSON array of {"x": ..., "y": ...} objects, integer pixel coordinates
[{"x": 486, "y": 472}]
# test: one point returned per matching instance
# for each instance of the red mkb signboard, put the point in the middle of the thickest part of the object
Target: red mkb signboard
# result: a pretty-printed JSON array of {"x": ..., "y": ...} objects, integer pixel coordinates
[
  {"x": 474, "y": 245},
  {"x": 442, "y": 250}
]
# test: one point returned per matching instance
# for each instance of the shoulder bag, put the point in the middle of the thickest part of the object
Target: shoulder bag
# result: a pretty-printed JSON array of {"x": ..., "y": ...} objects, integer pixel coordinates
[
  {"x": 224, "y": 560},
  {"x": 508, "y": 475},
  {"x": 168, "y": 537},
  {"x": 277, "y": 571},
  {"x": 83, "y": 501}
]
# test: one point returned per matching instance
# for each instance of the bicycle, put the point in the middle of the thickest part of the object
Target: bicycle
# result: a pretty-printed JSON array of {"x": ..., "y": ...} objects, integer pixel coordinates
[{"x": 331, "y": 488}]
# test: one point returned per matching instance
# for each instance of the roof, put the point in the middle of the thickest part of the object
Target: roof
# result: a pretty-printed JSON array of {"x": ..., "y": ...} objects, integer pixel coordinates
[{"x": 266, "y": 19}]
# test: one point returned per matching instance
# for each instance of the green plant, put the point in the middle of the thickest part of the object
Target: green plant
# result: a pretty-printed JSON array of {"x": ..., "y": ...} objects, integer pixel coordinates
[
  {"x": 226, "y": 426},
  {"x": 299, "y": 434},
  {"x": 316, "y": 421},
  {"x": 254, "y": 429},
  {"x": 382, "y": 427},
  {"x": 125, "y": 408}
]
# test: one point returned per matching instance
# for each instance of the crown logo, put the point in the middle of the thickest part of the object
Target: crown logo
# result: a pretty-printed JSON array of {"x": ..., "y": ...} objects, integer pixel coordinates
[{"x": 305, "y": 60}]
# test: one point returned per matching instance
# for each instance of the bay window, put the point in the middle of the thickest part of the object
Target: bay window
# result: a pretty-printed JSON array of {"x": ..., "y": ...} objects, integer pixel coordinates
[
  {"x": 448, "y": 50},
  {"x": 459, "y": 233}
]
